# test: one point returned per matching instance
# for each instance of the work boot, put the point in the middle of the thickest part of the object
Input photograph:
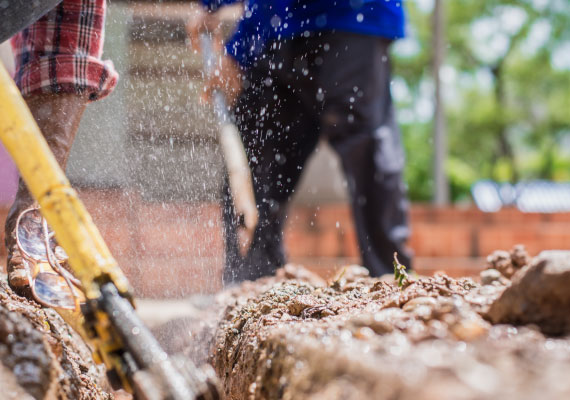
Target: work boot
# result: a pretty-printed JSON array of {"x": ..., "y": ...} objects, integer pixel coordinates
[{"x": 58, "y": 117}]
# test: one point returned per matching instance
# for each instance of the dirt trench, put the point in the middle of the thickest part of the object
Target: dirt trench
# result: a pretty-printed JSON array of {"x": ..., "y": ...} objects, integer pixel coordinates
[
  {"x": 297, "y": 337},
  {"x": 41, "y": 357}
]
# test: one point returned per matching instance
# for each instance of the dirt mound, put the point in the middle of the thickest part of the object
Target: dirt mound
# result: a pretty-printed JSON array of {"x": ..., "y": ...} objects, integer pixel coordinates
[
  {"x": 41, "y": 357},
  {"x": 539, "y": 294},
  {"x": 364, "y": 338}
]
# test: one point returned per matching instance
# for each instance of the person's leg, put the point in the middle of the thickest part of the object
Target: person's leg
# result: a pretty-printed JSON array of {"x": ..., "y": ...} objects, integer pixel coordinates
[
  {"x": 58, "y": 75},
  {"x": 57, "y": 116},
  {"x": 276, "y": 173},
  {"x": 359, "y": 120},
  {"x": 276, "y": 159},
  {"x": 279, "y": 130}
]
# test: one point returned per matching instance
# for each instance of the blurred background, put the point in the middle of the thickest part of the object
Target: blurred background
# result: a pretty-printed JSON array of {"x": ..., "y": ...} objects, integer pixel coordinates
[{"x": 483, "y": 101}]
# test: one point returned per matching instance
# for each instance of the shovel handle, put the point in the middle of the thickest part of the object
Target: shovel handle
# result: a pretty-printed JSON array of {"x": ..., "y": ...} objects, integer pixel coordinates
[{"x": 239, "y": 174}]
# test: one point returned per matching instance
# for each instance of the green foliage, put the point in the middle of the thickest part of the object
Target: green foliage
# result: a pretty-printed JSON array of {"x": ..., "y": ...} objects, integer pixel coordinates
[
  {"x": 507, "y": 97},
  {"x": 418, "y": 166}
]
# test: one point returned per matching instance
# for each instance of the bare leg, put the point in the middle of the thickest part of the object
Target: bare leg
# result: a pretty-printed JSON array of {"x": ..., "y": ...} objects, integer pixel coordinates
[{"x": 57, "y": 116}]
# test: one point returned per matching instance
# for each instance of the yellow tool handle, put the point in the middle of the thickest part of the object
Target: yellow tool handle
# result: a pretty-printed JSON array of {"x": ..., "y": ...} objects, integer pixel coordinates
[{"x": 89, "y": 256}]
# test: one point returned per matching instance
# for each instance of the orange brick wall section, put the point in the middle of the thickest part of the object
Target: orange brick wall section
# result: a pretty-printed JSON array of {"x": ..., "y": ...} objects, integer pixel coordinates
[
  {"x": 457, "y": 239},
  {"x": 175, "y": 249}
]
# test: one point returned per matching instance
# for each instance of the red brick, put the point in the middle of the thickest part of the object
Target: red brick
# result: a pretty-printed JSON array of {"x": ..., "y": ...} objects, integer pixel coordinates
[
  {"x": 449, "y": 215},
  {"x": 557, "y": 217},
  {"x": 328, "y": 244},
  {"x": 513, "y": 216},
  {"x": 444, "y": 240},
  {"x": 350, "y": 242},
  {"x": 504, "y": 237},
  {"x": 330, "y": 214},
  {"x": 421, "y": 212},
  {"x": 554, "y": 236},
  {"x": 300, "y": 242},
  {"x": 298, "y": 216}
]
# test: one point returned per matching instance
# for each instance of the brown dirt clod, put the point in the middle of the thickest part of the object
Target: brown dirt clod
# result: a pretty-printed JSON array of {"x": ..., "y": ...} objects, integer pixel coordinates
[
  {"x": 363, "y": 338},
  {"x": 538, "y": 294},
  {"x": 508, "y": 263},
  {"x": 42, "y": 356}
]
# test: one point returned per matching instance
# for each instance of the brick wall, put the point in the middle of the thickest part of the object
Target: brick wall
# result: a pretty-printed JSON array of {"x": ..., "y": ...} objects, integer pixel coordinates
[
  {"x": 456, "y": 240},
  {"x": 175, "y": 249}
]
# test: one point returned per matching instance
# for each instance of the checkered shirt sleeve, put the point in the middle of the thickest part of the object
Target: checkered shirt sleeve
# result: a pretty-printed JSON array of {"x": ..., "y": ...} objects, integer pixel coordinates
[{"x": 61, "y": 52}]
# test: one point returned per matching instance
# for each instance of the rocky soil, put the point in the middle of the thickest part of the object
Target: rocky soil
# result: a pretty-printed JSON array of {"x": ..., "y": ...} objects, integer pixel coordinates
[
  {"x": 297, "y": 337},
  {"x": 41, "y": 357}
]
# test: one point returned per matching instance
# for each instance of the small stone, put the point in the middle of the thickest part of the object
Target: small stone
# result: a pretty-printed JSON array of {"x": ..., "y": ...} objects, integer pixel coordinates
[
  {"x": 519, "y": 256},
  {"x": 381, "y": 327},
  {"x": 265, "y": 308},
  {"x": 419, "y": 301},
  {"x": 301, "y": 302},
  {"x": 354, "y": 272},
  {"x": 239, "y": 324},
  {"x": 501, "y": 261},
  {"x": 445, "y": 306},
  {"x": 489, "y": 276},
  {"x": 437, "y": 329},
  {"x": 364, "y": 333},
  {"x": 327, "y": 312},
  {"x": 469, "y": 329}
]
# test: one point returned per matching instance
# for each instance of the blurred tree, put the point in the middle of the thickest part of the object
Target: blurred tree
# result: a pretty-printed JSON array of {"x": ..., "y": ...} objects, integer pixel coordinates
[{"x": 506, "y": 83}]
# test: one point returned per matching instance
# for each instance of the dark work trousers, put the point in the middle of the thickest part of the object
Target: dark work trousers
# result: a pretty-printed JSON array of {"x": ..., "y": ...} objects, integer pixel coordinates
[{"x": 334, "y": 85}]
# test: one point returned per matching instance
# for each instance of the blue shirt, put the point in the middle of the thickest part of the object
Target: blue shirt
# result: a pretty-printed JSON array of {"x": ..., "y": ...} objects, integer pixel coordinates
[{"x": 268, "y": 20}]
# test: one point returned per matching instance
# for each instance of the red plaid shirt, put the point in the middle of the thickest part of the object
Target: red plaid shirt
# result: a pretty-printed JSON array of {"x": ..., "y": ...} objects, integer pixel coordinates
[{"x": 61, "y": 52}]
